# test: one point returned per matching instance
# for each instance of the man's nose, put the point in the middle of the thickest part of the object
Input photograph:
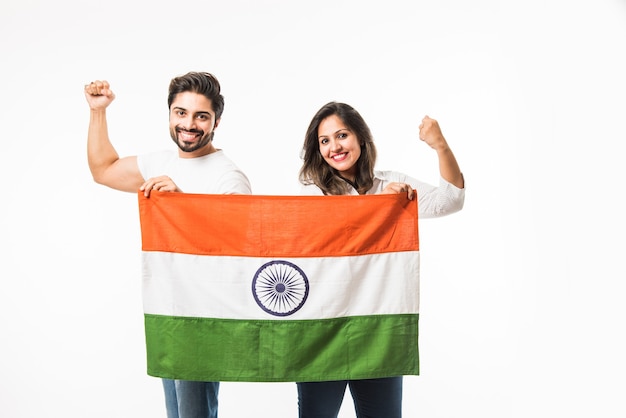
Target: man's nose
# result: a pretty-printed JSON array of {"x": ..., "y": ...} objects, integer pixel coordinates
[{"x": 189, "y": 122}]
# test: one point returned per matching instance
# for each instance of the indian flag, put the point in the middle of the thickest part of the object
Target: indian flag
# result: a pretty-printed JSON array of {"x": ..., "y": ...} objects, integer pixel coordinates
[{"x": 280, "y": 288}]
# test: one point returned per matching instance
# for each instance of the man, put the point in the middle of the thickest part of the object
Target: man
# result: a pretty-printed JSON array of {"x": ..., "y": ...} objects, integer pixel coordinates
[{"x": 195, "y": 108}]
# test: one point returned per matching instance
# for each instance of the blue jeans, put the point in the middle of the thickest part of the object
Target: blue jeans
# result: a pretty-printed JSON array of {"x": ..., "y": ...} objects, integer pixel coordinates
[
  {"x": 373, "y": 398},
  {"x": 188, "y": 399}
]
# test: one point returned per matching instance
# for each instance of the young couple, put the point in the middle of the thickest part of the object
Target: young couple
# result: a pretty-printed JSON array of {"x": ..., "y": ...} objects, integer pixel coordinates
[{"x": 339, "y": 157}]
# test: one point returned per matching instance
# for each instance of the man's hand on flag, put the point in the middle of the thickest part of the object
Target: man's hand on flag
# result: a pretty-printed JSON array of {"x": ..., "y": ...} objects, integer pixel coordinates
[{"x": 161, "y": 184}]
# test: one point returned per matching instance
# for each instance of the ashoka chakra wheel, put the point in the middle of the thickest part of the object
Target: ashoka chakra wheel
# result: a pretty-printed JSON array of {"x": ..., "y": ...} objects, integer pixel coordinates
[{"x": 280, "y": 288}]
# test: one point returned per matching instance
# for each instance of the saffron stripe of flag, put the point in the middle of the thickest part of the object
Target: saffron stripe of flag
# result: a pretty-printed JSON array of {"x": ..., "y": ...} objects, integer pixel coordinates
[{"x": 280, "y": 288}]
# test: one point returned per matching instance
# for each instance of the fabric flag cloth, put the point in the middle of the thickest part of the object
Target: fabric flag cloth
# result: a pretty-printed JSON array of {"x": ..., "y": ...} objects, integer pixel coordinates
[{"x": 280, "y": 288}]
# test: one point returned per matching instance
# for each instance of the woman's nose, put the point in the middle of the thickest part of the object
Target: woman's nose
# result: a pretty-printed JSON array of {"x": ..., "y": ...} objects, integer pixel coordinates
[{"x": 335, "y": 145}]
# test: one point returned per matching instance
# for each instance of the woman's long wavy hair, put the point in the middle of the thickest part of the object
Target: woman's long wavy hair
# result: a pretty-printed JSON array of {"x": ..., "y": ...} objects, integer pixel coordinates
[{"x": 315, "y": 170}]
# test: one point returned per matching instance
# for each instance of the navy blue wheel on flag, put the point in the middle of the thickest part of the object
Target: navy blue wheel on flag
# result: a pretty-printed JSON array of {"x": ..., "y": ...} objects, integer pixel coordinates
[{"x": 280, "y": 288}]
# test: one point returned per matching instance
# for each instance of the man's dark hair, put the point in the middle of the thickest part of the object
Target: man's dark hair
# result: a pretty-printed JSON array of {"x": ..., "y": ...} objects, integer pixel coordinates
[{"x": 198, "y": 82}]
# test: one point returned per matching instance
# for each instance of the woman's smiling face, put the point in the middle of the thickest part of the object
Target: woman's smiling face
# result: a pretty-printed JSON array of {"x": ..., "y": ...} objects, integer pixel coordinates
[{"x": 339, "y": 146}]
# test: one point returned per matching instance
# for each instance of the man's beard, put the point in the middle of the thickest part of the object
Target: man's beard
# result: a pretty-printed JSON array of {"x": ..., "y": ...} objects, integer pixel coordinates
[{"x": 193, "y": 146}]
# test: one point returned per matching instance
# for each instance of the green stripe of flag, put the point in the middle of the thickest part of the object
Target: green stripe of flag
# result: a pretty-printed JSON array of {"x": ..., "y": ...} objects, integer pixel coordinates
[{"x": 287, "y": 351}]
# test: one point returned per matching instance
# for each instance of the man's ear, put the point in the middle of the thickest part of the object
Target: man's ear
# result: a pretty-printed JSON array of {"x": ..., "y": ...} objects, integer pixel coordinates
[{"x": 217, "y": 122}]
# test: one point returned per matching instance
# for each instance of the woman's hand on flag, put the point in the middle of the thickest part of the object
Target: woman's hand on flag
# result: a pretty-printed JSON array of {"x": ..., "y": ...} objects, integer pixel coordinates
[{"x": 395, "y": 188}]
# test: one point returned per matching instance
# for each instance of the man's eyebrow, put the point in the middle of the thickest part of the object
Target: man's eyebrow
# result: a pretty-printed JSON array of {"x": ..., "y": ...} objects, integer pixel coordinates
[{"x": 201, "y": 112}]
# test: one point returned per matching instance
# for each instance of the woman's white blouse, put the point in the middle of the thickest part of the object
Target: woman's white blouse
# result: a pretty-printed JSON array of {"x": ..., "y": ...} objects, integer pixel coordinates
[{"x": 432, "y": 201}]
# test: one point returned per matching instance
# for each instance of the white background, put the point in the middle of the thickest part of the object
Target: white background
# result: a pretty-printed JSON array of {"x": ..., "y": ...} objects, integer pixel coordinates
[{"x": 523, "y": 291}]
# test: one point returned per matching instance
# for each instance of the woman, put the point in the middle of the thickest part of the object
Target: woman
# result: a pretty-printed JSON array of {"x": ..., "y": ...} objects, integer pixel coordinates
[{"x": 339, "y": 158}]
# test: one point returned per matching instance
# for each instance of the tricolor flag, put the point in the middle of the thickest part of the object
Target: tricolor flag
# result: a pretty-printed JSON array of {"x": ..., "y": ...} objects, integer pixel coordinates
[{"x": 280, "y": 288}]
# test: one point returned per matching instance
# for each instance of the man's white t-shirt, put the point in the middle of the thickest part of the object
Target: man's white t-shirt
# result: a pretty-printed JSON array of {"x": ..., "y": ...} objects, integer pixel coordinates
[{"x": 214, "y": 173}]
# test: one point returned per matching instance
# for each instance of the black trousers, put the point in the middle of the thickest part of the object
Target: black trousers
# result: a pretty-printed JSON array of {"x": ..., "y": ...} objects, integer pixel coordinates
[{"x": 373, "y": 398}]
